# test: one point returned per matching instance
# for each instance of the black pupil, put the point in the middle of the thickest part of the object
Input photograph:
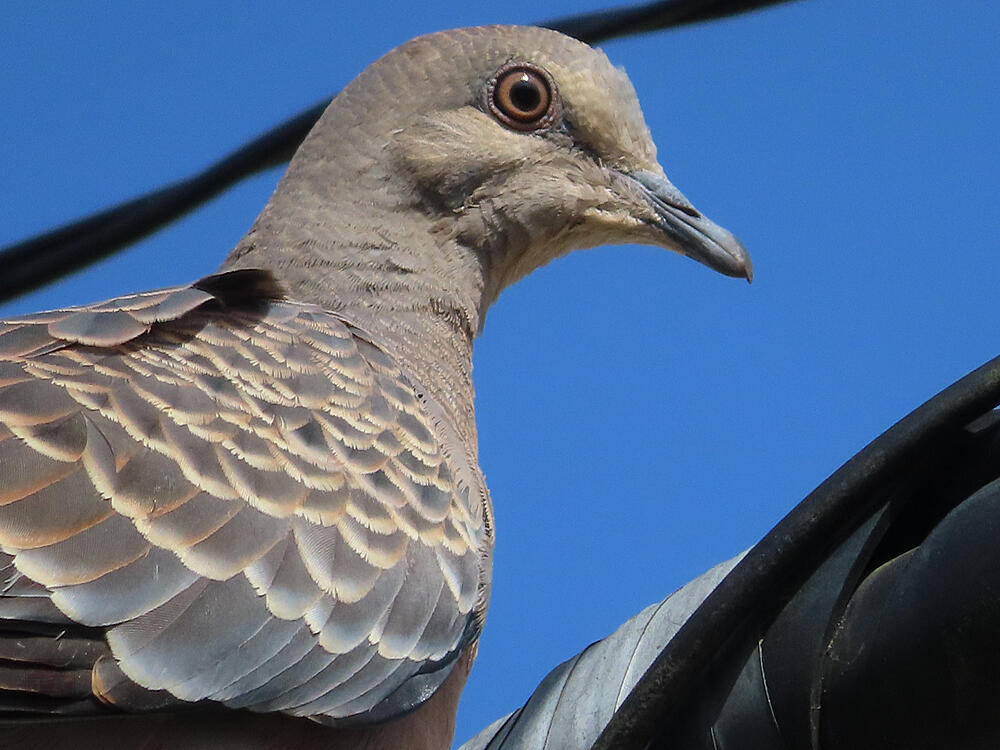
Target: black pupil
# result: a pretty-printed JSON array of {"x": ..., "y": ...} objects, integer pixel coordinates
[{"x": 525, "y": 95}]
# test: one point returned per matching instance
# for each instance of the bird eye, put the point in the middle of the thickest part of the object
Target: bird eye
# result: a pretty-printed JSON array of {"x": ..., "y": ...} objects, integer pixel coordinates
[{"x": 521, "y": 96}]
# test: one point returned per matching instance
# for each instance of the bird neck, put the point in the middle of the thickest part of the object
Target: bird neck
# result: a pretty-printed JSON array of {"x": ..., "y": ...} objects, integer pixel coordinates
[{"x": 377, "y": 262}]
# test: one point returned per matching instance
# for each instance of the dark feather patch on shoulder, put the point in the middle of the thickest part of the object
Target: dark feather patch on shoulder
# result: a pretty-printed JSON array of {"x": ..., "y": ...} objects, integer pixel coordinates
[{"x": 242, "y": 286}]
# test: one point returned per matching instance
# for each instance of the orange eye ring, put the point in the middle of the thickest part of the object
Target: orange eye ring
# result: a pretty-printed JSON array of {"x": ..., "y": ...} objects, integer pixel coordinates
[{"x": 523, "y": 97}]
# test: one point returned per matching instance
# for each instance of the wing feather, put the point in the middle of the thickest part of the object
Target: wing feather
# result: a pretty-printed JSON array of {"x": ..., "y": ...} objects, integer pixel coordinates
[{"x": 246, "y": 497}]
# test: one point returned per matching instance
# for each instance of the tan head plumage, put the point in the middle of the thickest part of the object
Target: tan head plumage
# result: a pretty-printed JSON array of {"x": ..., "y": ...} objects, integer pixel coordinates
[{"x": 415, "y": 152}]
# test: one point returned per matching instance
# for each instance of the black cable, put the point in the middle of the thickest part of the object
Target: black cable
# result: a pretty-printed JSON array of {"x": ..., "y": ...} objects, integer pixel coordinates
[
  {"x": 39, "y": 260},
  {"x": 748, "y": 599},
  {"x": 640, "y": 19}
]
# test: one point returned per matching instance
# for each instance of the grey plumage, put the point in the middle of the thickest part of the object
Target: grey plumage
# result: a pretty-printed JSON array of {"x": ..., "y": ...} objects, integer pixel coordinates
[
  {"x": 262, "y": 490},
  {"x": 567, "y": 710}
]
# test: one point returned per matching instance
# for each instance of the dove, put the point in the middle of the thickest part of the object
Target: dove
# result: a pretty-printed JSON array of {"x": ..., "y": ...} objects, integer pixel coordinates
[{"x": 248, "y": 512}]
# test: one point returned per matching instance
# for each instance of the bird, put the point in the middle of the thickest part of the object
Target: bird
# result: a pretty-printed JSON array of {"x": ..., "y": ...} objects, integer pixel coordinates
[{"x": 248, "y": 512}]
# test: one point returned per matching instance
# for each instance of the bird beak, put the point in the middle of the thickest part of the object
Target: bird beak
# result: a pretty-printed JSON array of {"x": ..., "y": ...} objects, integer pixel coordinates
[{"x": 688, "y": 231}]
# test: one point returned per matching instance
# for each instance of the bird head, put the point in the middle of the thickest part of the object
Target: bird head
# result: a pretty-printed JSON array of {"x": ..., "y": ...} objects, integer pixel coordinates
[
  {"x": 533, "y": 144},
  {"x": 496, "y": 147}
]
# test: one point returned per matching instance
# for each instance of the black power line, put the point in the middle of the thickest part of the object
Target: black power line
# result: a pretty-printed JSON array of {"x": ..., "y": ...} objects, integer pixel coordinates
[
  {"x": 747, "y": 600},
  {"x": 39, "y": 260}
]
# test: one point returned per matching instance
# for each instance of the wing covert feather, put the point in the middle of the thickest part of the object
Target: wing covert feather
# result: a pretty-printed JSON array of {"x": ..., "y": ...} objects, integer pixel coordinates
[{"x": 254, "y": 501}]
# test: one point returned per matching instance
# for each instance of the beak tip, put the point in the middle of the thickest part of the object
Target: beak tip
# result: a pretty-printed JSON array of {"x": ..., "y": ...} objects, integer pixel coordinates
[
  {"x": 739, "y": 262},
  {"x": 688, "y": 231}
]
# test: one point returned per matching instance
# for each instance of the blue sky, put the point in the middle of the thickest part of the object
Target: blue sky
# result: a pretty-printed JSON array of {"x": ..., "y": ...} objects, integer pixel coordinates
[{"x": 640, "y": 417}]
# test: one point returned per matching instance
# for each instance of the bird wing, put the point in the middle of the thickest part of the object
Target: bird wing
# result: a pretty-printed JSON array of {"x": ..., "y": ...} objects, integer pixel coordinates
[{"x": 246, "y": 499}]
